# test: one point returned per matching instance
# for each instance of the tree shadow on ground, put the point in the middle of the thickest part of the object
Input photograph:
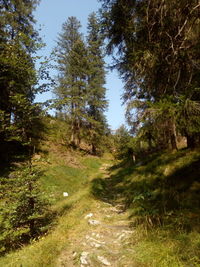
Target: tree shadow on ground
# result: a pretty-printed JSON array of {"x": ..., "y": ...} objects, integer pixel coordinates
[
  {"x": 111, "y": 189},
  {"x": 152, "y": 196}
]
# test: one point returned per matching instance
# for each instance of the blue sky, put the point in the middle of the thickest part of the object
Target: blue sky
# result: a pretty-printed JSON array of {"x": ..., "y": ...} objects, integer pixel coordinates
[{"x": 51, "y": 14}]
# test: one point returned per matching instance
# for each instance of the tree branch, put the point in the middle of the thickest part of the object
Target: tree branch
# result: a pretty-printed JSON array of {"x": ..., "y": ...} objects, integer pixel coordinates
[{"x": 185, "y": 22}]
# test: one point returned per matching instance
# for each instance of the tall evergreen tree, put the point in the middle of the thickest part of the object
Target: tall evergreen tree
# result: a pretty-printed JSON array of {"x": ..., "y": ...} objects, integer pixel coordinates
[
  {"x": 97, "y": 102},
  {"x": 21, "y": 205},
  {"x": 72, "y": 77},
  {"x": 18, "y": 42},
  {"x": 80, "y": 90}
]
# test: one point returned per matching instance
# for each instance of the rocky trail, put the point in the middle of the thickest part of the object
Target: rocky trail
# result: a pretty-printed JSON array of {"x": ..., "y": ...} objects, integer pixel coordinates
[{"x": 105, "y": 242}]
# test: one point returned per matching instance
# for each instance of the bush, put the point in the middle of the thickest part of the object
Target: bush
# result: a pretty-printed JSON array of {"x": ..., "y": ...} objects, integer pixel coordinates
[{"x": 24, "y": 208}]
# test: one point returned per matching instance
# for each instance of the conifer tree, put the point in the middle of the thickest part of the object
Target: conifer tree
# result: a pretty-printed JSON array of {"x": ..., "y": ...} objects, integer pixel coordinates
[
  {"x": 80, "y": 87},
  {"x": 72, "y": 78},
  {"x": 97, "y": 102},
  {"x": 22, "y": 206},
  {"x": 18, "y": 42}
]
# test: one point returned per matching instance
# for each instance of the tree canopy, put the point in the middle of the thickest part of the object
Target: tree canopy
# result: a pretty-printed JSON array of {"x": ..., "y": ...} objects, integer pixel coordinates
[
  {"x": 158, "y": 57},
  {"x": 18, "y": 43},
  {"x": 80, "y": 91}
]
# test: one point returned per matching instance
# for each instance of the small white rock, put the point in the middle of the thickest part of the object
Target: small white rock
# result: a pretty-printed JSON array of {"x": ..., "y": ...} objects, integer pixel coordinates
[
  {"x": 127, "y": 231},
  {"x": 103, "y": 260},
  {"x": 83, "y": 258},
  {"x": 89, "y": 215},
  {"x": 94, "y": 241},
  {"x": 121, "y": 236},
  {"x": 93, "y": 222},
  {"x": 95, "y": 245},
  {"x": 97, "y": 241},
  {"x": 65, "y": 194},
  {"x": 74, "y": 254}
]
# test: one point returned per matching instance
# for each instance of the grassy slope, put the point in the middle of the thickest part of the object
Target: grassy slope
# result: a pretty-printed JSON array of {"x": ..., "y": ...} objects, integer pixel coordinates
[
  {"x": 162, "y": 195},
  {"x": 60, "y": 174}
]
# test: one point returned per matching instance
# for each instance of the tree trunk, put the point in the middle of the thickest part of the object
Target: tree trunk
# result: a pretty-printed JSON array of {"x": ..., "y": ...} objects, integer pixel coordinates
[
  {"x": 78, "y": 132},
  {"x": 192, "y": 141},
  {"x": 173, "y": 137},
  {"x": 73, "y": 131},
  {"x": 32, "y": 221},
  {"x": 149, "y": 138},
  {"x": 94, "y": 150}
]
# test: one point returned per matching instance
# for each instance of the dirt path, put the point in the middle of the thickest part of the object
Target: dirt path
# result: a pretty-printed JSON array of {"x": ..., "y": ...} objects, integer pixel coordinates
[{"x": 105, "y": 242}]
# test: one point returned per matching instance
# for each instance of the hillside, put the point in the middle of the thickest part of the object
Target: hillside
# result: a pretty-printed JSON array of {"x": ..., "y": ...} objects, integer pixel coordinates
[{"x": 117, "y": 213}]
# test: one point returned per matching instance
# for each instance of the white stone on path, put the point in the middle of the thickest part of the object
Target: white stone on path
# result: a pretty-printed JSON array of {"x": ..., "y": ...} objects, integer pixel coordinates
[
  {"x": 94, "y": 222},
  {"x": 124, "y": 234},
  {"x": 98, "y": 236},
  {"x": 95, "y": 245},
  {"x": 103, "y": 260},
  {"x": 65, "y": 194},
  {"x": 121, "y": 236},
  {"x": 74, "y": 254},
  {"x": 89, "y": 215},
  {"x": 83, "y": 258},
  {"x": 94, "y": 240}
]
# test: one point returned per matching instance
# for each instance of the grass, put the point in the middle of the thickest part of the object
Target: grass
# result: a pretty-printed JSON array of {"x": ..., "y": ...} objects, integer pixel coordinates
[
  {"x": 59, "y": 179},
  {"x": 161, "y": 194},
  {"x": 161, "y": 247},
  {"x": 63, "y": 170},
  {"x": 45, "y": 251},
  {"x": 56, "y": 179}
]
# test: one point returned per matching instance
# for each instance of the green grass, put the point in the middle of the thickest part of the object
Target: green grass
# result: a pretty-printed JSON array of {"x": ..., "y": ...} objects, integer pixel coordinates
[
  {"x": 70, "y": 211},
  {"x": 161, "y": 247},
  {"x": 59, "y": 179},
  {"x": 161, "y": 194},
  {"x": 45, "y": 251}
]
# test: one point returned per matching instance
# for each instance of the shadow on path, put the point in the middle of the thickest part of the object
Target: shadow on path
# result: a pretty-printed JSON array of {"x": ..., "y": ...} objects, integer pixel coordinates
[
  {"x": 110, "y": 188},
  {"x": 152, "y": 195}
]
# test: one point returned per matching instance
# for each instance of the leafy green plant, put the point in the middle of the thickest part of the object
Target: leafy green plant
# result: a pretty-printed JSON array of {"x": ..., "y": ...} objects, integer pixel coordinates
[{"x": 24, "y": 208}]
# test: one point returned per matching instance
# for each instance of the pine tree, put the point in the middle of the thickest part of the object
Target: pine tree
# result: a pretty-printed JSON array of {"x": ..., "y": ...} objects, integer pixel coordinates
[
  {"x": 21, "y": 206},
  {"x": 80, "y": 90},
  {"x": 97, "y": 102},
  {"x": 18, "y": 42},
  {"x": 72, "y": 78}
]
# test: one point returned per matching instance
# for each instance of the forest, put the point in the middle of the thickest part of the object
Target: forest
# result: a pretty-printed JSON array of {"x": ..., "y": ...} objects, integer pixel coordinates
[{"x": 59, "y": 172}]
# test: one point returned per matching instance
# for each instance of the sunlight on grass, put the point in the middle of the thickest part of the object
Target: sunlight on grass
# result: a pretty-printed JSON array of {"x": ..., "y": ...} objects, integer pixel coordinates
[{"x": 70, "y": 213}]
